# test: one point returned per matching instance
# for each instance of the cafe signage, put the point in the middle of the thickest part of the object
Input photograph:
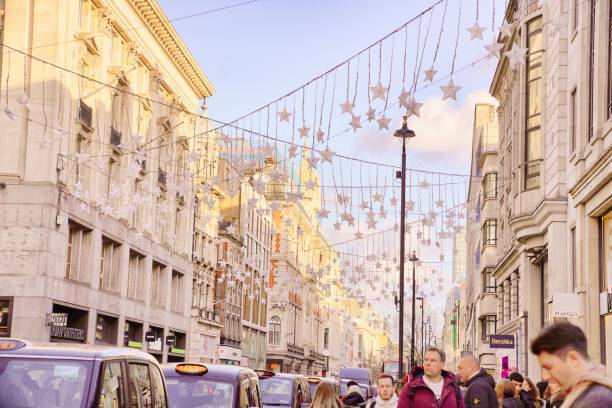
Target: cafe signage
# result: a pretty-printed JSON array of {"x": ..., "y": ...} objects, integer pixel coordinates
[
  {"x": 57, "y": 319},
  {"x": 70, "y": 333},
  {"x": 501, "y": 341}
]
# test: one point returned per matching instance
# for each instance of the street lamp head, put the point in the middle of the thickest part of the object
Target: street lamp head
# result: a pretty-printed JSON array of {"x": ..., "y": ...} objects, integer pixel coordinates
[
  {"x": 413, "y": 257},
  {"x": 404, "y": 132}
]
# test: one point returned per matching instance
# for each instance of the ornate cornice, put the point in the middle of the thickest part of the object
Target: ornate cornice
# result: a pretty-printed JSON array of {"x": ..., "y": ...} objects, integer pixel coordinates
[{"x": 155, "y": 19}]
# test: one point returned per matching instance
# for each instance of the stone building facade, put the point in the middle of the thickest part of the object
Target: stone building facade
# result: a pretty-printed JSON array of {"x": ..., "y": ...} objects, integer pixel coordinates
[{"x": 97, "y": 188}]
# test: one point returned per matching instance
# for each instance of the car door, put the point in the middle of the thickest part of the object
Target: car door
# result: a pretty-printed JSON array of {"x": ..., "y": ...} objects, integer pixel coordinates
[
  {"x": 140, "y": 388},
  {"x": 111, "y": 392},
  {"x": 160, "y": 398}
]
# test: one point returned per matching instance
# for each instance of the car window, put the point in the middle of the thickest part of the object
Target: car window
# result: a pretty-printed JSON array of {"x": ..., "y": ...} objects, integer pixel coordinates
[
  {"x": 277, "y": 391},
  {"x": 111, "y": 391},
  {"x": 140, "y": 386},
  {"x": 44, "y": 383},
  {"x": 159, "y": 393}
]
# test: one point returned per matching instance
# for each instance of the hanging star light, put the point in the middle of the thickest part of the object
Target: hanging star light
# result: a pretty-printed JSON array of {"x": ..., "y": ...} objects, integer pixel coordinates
[
  {"x": 378, "y": 197},
  {"x": 371, "y": 224},
  {"x": 379, "y": 91},
  {"x": 393, "y": 201},
  {"x": 383, "y": 122},
  {"x": 371, "y": 115},
  {"x": 450, "y": 90},
  {"x": 337, "y": 225},
  {"x": 413, "y": 108},
  {"x": 312, "y": 161},
  {"x": 476, "y": 31},
  {"x": 304, "y": 131},
  {"x": 382, "y": 213},
  {"x": 292, "y": 151},
  {"x": 439, "y": 203},
  {"x": 410, "y": 205},
  {"x": 430, "y": 73},
  {"x": 310, "y": 184},
  {"x": 259, "y": 185},
  {"x": 25, "y": 101},
  {"x": 507, "y": 29},
  {"x": 516, "y": 55},
  {"x": 320, "y": 135},
  {"x": 323, "y": 213},
  {"x": 9, "y": 112},
  {"x": 358, "y": 235},
  {"x": 283, "y": 115},
  {"x": 403, "y": 98},
  {"x": 424, "y": 184},
  {"x": 327, "y": 155},
  {"x": 364, "y": 205},
  {"x": 355, "y": 122},
  {"x": 347, "y": 107},
  {"x": 494, "y": 49}
]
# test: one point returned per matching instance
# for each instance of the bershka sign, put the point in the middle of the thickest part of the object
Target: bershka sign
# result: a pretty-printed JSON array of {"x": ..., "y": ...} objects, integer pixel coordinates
[{"x": 501, "y": 341}]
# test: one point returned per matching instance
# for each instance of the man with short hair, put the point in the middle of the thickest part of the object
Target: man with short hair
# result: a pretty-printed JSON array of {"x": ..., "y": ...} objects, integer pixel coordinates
[
  {"x": 562, "y": 352},
  {"x": 518, "y": 381},
  {"x": 431, "y": 385},
  {"x": 386, "y": 397},
  {"x": 354, "y": 397},
  {"x": 480, "y": 385}
]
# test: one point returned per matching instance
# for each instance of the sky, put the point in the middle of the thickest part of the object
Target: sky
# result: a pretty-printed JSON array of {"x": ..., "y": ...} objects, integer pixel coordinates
[{"x": 257, "y": 52}]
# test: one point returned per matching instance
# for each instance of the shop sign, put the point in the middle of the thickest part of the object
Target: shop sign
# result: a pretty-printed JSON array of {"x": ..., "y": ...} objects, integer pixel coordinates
[
  {"x": 150, "y": 336},
  {"x": 70, "y": 333},
  {"x": 155, "y": 345},
  {"x": 501, "y": 341},
  {"x": 177, "y": 350},
  {"x": 135, "y": 344},
  {"x": 57, "y": 319},
  {"x": 230, "y": 353},
  {"x": 566, "y": 305},
  {"x": 170, "y": 340}
]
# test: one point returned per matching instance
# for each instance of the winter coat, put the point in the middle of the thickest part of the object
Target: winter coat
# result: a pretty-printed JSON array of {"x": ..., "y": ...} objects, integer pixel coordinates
[
  {"x": 527, "y": 400},
  {"x": 353, "y": 397},
  {"x": 380, "y": 403},
  {"x": 416, "y": 394},
  {"x": 593, "y": 389},
  {"x": 511, "y": 403},
  {"x": 481, "y": 391}
]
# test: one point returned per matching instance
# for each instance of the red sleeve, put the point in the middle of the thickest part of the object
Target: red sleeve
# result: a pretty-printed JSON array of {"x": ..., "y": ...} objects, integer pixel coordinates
[{"x": 404, "y": 400}]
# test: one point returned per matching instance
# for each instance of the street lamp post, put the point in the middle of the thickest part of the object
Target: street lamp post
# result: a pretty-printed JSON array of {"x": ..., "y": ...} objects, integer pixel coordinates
[
  {"x": 422, "y": 299},
  {"x": 414, "y": 260},
  {"x": 403, "y": 133}
]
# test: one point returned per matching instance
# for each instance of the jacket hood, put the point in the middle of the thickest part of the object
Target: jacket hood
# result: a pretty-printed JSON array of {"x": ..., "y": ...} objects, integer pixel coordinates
[{"x": 482, "y": 376}]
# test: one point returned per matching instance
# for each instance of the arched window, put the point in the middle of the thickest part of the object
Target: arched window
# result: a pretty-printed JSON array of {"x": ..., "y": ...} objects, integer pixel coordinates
[{"x": 274, "y": 330}]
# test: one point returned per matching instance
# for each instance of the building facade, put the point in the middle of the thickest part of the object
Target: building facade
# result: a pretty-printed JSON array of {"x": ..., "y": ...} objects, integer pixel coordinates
[{"x": 97, "y": 177}]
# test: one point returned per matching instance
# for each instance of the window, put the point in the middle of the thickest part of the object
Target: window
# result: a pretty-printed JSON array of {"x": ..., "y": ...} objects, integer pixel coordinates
[
  {"x": 140, "y": 386},
  {"x": 592, "y": 5},
  {"x": 573, "y": 131},
  {"x": 136, "y": 274},
  {"x": 110, "y": 265},
  {"x": 514, "y": 301},
  {"x": 490, "y": 185},
  {"x": 489, "y": 284},
  {"x": 274, "y": 333},
  {"x": 6, "y": 313},
  {"x": 177, "y": 292},
  {"x": 79, "y": 245},
  {"x": 609, "y": 60},
  {"x": 106, "y": 329},
  {"x": 111, "y": 389},
  {"x": 489, "y": 232},
  {"x": 157, "y": 284},
  {"x": 575, "y": 15},
  {"x": 534, "y": 99},
  {"x": 573, "y": 243},
  {"x": 159, "y": 395},
  {"x": 488, "y": 326},
  {"x": 360, "y": 346},
  {"x": 326, "y": 338}
]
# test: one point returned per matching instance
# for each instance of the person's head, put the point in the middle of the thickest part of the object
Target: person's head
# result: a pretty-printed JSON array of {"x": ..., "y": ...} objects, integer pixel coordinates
[
  {"x": 351, "y": 383},
  {"x": 505, "y": 389},
  {"x": 325, "y": 396},
  {"x": 553, "y": 387},
  {"x": 530, "y": 387},
  {"x": 517, "y": 379},
  {"x": 467, "y": 366},
  {"x": 384, "y": 386},
  {"x": 562, "y": 352},
  {"x": 434, "y": 362}
]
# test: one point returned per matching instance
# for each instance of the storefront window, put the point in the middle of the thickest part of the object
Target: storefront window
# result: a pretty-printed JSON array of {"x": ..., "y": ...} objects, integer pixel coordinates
[
  {"x": 132, "y": 334},
  {"x": 176, "y": 343},
  {"x": 606, "y": 295},
  {"x": 75, "y": 329},
  {"x": 6, "y": 311},
  {"x": 106, "y": 329}
]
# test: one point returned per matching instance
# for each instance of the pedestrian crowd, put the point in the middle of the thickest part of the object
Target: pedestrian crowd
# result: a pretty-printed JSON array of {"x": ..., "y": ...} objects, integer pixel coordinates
[{"x": 569, "y": 379}]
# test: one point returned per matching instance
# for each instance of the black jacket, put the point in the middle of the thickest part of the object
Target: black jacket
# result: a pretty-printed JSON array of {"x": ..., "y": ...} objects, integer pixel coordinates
[
  {"x": 354, "y": 399},
  {"x": 481, "y": 391},
  {"x": 511, "y": 403},
  {"x": 527, "y": 400}
]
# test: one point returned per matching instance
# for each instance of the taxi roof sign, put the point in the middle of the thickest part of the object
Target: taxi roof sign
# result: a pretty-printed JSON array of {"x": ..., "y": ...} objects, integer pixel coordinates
[
  {"x": 11, "y": 344},
  {"x": 264, "y": 373},
  {"x": 314, "y": 380},
  {"x": 191, "y": 369}
]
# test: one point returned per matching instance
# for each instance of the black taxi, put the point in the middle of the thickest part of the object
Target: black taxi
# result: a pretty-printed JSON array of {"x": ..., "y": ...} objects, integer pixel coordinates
[
  {"x": 76, "y": 376},
  {"x": 195, "y": 385},
  {"x": 284, "y": 390}
]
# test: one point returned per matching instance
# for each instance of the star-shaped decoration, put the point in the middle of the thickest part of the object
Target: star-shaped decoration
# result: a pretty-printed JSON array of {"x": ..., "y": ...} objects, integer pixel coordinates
[
  {"x": 231, "y": 229},
  {"x": 193, "y": 156},
  {"x": 494, "y": 49},
  {"x": 450, "y": 90},
  {"x": 358, "y": 235},
  {"x": 439, "y": 203},
  {"x": 343, "y": 199},
  {"x": 274, "y": 205},
  {"x": 347, "y": 107},
  {"x": 382, "y": 213},
  {"x": 371, "y": 224},
  {"x": 267, "y": 150},
  {"x": 424, "y": 184},
  {"x": 379, "y": 91},
  {"x": 476, "y": 31},
  {"x": 516, "y": 55},
  {"x": 364, "y": 205},
  {"x": 403, "y": 98},
  {"x": 410, "y": 205},
  {"x": 378, "y": 197},
  {"x": 304, "y": 131},
  {"x": 383, "y": 122},
  {"x": 371, "y": 115},
  {"x": 442, "y": 257},
  {"x": 284, "y": 115},
  {"x": 292, "y": 151},
  {"x": 312, "y": 161},
  {"x": 506, "y": 29},
  {"x": 323, "y": 213},
  {"x": 84, "y": 207},
  {"x": 337, "y": 225},
  {"x": 393, "y": 201},
  {"x": 355, "y": 122},
  {"x": 413, "y": 108},
  {"x": 310, "y": 185},
  {"x": 320, "y": 135},
  {"x": 430, "y": 73},
  {"x": 327, "y": 155}
]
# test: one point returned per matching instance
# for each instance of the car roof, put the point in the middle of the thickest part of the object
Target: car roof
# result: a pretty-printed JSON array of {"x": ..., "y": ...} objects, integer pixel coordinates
[
  {"x": 219, "y": 371},
  {"x": 284, "y": 375},
  {"x": 74, "y": 351}
]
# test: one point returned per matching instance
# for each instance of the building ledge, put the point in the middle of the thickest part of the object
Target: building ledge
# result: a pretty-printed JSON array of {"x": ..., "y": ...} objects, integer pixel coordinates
[{"x": 526, "y": 226}]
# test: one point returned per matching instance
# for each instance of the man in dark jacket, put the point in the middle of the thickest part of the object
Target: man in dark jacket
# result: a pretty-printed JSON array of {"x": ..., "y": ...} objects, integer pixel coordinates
[
  {"x": 353, "y": 396},
  {"x": 431, "y": 385},
  {"x": 518, "y": 380},
  {"x": 480, "y": 385},
  {"x": 562, "y": 352}
]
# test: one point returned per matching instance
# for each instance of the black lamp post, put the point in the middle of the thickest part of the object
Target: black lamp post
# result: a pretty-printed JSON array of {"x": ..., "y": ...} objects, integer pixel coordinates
[
  {"x": 422, "y": 300},
  {"x": 414, "y": 260},
  {"x": 403, "y": 133}
]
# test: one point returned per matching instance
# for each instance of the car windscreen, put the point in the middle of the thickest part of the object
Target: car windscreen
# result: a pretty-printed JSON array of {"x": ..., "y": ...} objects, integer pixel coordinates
[
  {"x": 196, "y": 392},
  {"x": 38, "y": 382},
  {"x": 276, "y": 391}
]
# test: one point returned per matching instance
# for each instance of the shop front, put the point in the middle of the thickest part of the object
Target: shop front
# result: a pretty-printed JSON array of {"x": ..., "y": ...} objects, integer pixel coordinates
[
  {"x": 605, "y": 296},
  {"x": 229, "y": 355},
  {"x": 132, "y": 334},
  {"x": 67, "y": 324},
  {"x": 106, "y": 329},
  {"x": 6, "y": 313},
  {"x": 176, "y": 343},
  {"x": 154, "y": 338}
]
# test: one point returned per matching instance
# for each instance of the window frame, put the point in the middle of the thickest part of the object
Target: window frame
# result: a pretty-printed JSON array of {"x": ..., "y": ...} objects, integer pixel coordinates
[
  {"x": 115, "y": 265},
  {"x": 573, "y": 125},
  {"x": 124, "y": 383},
  {"x": 10, "y": 300},
  {"x": 273, "y": 333},
  {"x": 129, "y": 364},
  {"x": 591, "y": 71},
  {"x": 494, "y": 192},
  {"x": 488, "y": 226},
  {"x": 140, "y": 274},
  {"x": 487, "y": 278},
  {"x": 485, "y": 321}
]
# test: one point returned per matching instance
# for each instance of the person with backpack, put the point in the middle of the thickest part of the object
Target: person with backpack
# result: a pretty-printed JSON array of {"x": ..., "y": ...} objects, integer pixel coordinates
[
  {"x": 431, "y": 385},
  {"x": 386, "y": 397}
]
